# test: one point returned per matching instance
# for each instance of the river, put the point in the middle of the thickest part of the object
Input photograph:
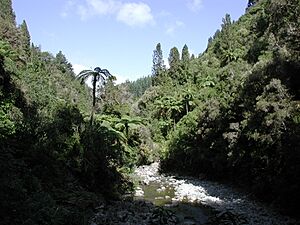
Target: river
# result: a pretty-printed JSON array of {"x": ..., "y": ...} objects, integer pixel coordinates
[
  {"x": 195, "y": 201},
  {"x": 162, "y": 199}
]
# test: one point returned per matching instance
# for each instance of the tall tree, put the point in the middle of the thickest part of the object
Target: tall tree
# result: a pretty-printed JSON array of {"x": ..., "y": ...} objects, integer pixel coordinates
[
  {"x": 185, "y": 61},
  {"x": 228, "y": 49},
  {"x": 62, "y": 63},
  {"x": 185, "y": 55},
  {"x": 98, "y": 75},
  {"x": 174, "y": 63},
  {"x": 174, "y": 58},
  {"x": 226, "y": 21},
  {"x": 8, "y": 30},
  {"x": 6, "y": 11},
  {"x": 158, "y": 64},
  {"x": 25, "y": 38}
]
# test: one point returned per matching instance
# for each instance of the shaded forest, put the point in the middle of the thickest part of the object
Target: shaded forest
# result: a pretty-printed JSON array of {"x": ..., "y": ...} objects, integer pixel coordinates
[{"x": 231, "y": 113}]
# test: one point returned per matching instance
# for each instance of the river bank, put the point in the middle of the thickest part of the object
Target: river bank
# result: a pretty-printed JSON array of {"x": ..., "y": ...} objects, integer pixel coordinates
[
  {"x": 212, "y": 194},
  {"x": 170, "y": 199}
]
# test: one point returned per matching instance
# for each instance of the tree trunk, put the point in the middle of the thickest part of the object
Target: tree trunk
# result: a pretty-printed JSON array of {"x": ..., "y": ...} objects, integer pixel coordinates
[
  {"x": 174, "y": 124},
  {"x": 94, "y": 99},
  {"x": 187, "y": 107},
  {"x": 126, "y": 129}
]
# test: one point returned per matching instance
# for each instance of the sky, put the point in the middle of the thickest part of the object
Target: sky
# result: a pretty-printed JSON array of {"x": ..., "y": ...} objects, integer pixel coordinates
[{"x": 120, "y": 35}]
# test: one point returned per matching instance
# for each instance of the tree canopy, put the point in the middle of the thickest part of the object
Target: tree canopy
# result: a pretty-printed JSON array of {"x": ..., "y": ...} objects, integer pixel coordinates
[{"x": 230, "y": 114}]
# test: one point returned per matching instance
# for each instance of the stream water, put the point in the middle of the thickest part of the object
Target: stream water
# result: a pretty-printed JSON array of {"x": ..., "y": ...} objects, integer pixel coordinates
[
  {"x": 194, "y": 200},
  {"x": 162, "y": 193}
]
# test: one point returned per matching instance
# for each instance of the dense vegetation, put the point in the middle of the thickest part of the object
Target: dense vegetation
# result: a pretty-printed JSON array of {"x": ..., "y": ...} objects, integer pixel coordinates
[
  {"x": 236, "y": 115},
  {"x": 57, "y": 166},
  {"x": 232, "y": 113}
]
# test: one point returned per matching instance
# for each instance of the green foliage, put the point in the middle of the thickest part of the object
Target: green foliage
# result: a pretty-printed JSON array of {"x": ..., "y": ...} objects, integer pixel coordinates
[
  {"x": 115, "y": 99},
  {"x": 6, "y": 50},
  {"x": 158, "y": 67},
  {"x": 174, "y": 63},
  {"x": 98, "y": 75},
  {"x": 8, "y": 30},
  {"x": 36, "y": 158},
  {"x": 185, "y": 55},
  {"x": 232, "y": 113},
  {"x": 9, "y": 116},
  {"x": 63, "y": 65},
  {"x": 139, "y": 86},
  {"x": 56, "y": 170},
  {"x": 201, "y": 126},
  {"x": 6, "y": 11},
  {"x": 134, "y": 137},
  {"x": 42, "y": 70},
  {"x": 25, "y": 39},
  {"x": 103, "y": 156},
  {"x": 244, "y": 123},
  {"x": 56, "y": 166}
]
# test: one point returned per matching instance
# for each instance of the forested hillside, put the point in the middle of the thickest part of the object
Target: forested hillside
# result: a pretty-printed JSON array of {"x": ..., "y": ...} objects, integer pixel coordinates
[
  {"x": 231, "y": 113},
  {"x": 56, "y": 166},
  {"x": 235, "y": 113}
]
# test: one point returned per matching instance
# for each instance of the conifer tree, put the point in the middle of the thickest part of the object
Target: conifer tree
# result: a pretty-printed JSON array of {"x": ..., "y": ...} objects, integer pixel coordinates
[
  {"x": 25, "y": 38},
  {"x": 226, "y": 21},
  {"x": 185, "y": 55},
  {"x": 62, "y": 63},
  {"x": 158, "y": 64},
  {"x": 6, "y": 11},
  {"x": 174, "y": 58},
  {"x": 8, "y": 30},
  {"x": 174, "y": 63},
  {"x": 185, "y": 60}
]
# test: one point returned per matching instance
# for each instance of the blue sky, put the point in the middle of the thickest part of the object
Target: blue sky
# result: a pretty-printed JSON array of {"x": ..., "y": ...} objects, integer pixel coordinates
[{"x": 120, "y": 35}]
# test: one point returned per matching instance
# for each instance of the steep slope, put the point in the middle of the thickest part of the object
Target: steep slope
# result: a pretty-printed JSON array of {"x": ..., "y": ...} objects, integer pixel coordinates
[
  {"x": 236, "y": 114},
  {"x": 55, "y": 168}
]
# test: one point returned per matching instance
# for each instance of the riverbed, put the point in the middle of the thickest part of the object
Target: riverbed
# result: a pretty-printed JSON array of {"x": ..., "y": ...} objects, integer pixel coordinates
[
  {"x": 161, "y": 199},
  {"x": 192, "y": 199}
]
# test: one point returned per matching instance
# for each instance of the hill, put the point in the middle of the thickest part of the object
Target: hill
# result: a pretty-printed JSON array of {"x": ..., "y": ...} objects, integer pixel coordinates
[{"x": 232, "y": 113}]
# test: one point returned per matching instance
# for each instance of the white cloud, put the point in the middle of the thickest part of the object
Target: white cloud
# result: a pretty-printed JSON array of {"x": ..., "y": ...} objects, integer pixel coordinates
[
  {"x": 103, "y": 7},
  {"x": 135, "y": 14},
  {"x": 132, "y": 14},
  {"x": 194, "y": 5},
  {"x": 171, "y": 28},
  {"x": 96, "y": 7},
  {"x": 83, "y": 12},
  {"x": 67, "y": 8}
]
